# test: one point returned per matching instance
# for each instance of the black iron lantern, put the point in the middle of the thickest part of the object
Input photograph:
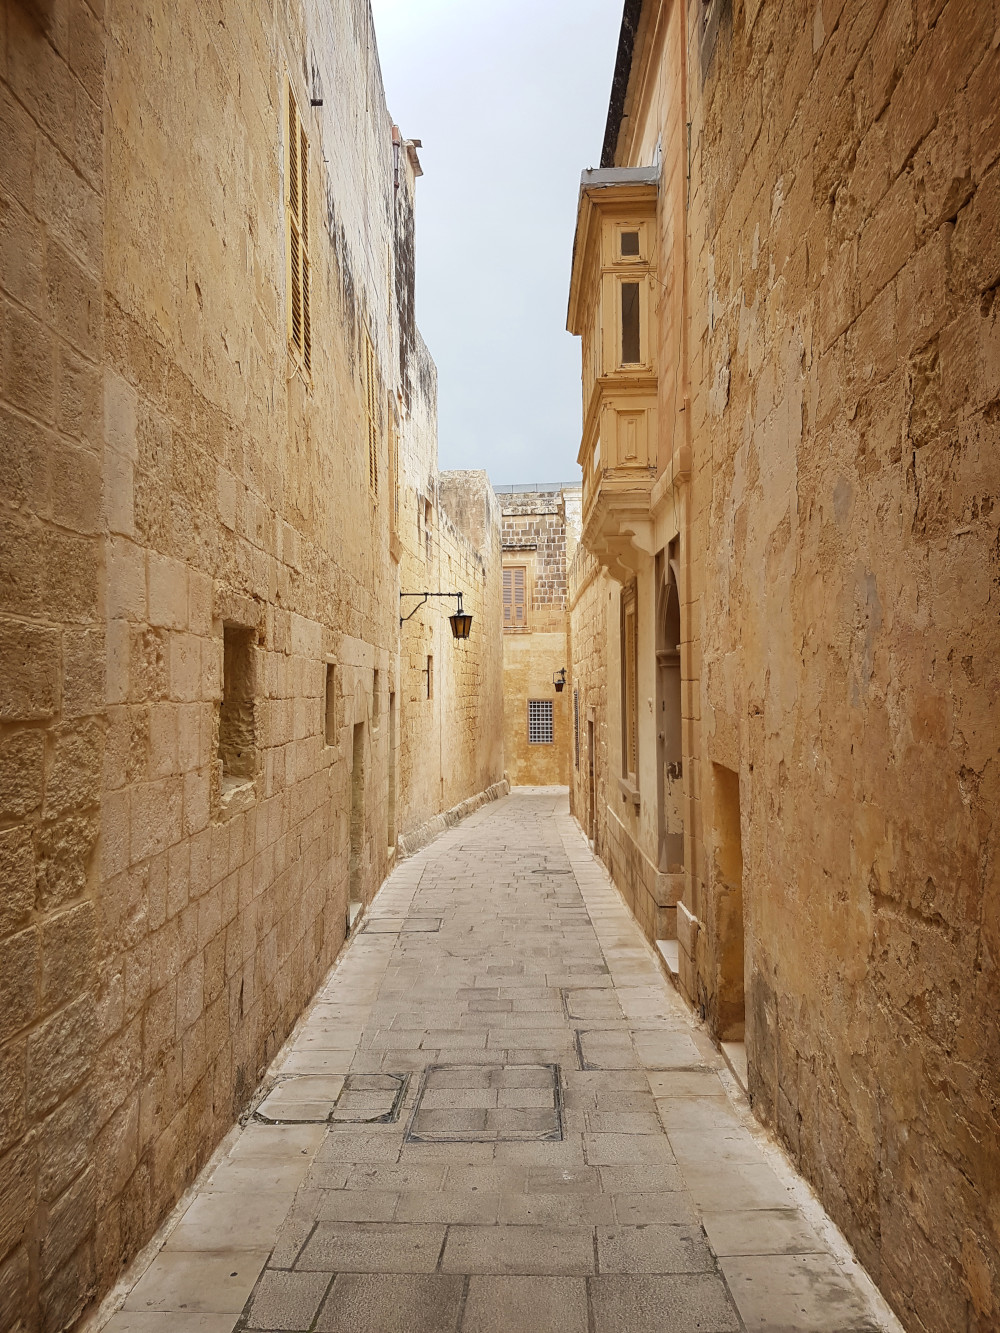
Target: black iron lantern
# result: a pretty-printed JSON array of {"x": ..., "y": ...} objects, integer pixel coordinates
[
  {"x": 559, "y": 680},
  {"x": 461, "y": 621}
]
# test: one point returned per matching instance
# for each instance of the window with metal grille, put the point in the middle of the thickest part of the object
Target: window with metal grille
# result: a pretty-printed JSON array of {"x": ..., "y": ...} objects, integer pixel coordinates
[
  {"x": 539, "y": 721},
  {"x": 297, "y": 236},
  {"x": 371, "y": 411},
  {"x": 576, "y": 728},
  {"x": 515, "y": 607}
]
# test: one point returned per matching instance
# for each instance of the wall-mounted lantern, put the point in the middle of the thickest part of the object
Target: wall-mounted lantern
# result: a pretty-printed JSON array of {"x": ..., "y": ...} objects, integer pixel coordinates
[
  {"x": 461, "y": 620},
  {"x": 559, "y": 680}
]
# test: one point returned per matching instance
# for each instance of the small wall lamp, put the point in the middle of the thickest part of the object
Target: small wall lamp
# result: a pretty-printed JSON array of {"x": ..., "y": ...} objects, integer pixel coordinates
[
  {"x": 559, "y": 680},
  {"x": 461, "y": 620}
]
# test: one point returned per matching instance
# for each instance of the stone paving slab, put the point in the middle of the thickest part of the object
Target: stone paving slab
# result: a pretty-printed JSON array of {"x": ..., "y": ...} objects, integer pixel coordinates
[{"x": 498, "y": 1117}]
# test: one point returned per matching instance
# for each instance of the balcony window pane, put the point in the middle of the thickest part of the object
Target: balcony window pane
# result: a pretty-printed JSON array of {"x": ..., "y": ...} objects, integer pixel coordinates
[
  {"x": 630, "y": 323},
  {"x": 630, "y": 244}
]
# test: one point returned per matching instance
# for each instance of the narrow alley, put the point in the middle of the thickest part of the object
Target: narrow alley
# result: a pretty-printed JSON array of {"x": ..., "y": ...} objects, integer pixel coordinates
[{"x": 496, "y": 1116}]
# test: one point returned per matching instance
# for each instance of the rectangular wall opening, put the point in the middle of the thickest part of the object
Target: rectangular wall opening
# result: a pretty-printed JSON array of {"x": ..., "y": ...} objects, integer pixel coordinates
[
  {"x": 237, "y": 747},
  {"x": 330, "y": 705},
  {"x": 376, "y": 699},
  {"x": 357, "y": 823},
  {"x": 430, "y": 676},
  {"x": 729, "y": 906}
]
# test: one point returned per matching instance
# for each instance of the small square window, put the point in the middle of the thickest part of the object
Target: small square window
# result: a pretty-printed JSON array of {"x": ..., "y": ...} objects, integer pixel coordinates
[
  {"x": 630, "y": 244},
  {"x": 539, "y": 721}
]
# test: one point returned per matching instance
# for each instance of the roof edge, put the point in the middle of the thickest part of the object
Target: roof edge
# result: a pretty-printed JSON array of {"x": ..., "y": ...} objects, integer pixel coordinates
[{"x": 620, "y": 80}]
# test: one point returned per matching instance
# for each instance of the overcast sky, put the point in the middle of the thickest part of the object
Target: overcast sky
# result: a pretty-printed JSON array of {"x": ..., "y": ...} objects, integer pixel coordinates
[{"x": 510, "y": 99}]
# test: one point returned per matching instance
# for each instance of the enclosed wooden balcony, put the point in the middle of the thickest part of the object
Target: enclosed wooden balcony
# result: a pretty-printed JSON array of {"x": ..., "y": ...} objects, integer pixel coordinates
[{"x": 612, "y": 307}]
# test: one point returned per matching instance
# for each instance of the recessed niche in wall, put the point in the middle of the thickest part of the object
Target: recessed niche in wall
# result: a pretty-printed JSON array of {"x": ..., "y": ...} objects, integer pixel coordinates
[{"x": 237, "y": 739}]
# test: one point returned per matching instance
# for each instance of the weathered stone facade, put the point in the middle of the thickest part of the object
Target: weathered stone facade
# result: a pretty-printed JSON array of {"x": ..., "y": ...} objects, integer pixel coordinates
[
  {"x": 209, "y": 740},
  {"x": 820, "y": 535},
  {"x": 539, "y": 532}
]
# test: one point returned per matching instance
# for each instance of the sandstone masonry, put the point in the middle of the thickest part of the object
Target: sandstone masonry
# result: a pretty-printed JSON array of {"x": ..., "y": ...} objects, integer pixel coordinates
[
  {"x": 217, "y": 428},
  {"x": 785, "y": 629},
  {"x": 539, "y": 531}
]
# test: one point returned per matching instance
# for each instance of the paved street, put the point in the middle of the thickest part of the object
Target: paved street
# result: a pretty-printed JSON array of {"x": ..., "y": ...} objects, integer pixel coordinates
[{"x": 499, "y": 1118}]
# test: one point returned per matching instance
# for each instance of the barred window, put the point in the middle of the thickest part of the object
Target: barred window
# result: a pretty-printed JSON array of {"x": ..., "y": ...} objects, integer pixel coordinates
[{"x": 539, "y": 721}]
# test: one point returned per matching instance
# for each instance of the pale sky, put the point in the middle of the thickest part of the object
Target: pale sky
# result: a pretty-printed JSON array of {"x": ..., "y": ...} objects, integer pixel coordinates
[{"x": 510, "y": 99}]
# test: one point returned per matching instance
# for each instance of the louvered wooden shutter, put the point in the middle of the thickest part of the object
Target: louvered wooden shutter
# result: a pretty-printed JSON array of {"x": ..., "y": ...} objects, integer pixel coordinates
[
  {"x": 514, "y": 616},
  {"x": 304, "y": 233},
  {"x": 520, "y": 617},
  {"x": 297, "y": 208}
]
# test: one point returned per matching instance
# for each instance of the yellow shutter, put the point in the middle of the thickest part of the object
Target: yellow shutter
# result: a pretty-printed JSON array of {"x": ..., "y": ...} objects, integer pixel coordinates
[
  {"x": 297, "y": 215},
  {"x": 304, "y": 248}
]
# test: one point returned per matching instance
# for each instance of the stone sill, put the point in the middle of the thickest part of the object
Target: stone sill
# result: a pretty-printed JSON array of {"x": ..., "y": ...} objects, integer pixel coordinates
[
  {"x": 237, "y": 794},
  {"x": 629, "y": 792}
]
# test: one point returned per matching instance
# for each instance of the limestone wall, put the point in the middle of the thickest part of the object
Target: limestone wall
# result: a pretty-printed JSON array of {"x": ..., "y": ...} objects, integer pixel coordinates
[
  {"x": 539, "y": 532},
  {"x": 175, "y": 874},
  {"x": 837, "y": 273},
  {"x": 851, "y": 257},
  {"x": 52, "y": 644},
  {"x": 589, "y": 591},
  {"x": 451, "y": 743}
]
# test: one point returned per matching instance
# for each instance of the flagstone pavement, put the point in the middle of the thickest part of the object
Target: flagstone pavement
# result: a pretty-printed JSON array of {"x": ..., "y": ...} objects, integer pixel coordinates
[{"x": 499, "y": 1117}]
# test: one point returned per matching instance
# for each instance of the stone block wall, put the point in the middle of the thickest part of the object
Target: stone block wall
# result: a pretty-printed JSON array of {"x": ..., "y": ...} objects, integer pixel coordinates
[
  {"x": 53, "y": 550},
  {"x": 536, "y": 524},
  {"x": 177, "y": 485},
  {"x": 539, "y": 530},
  {"x": 588, "y": 589},
  {"x": 828, "y": 387},
  {"x": 845, "y": 372},
  {"x": 451, "y": 744}
]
